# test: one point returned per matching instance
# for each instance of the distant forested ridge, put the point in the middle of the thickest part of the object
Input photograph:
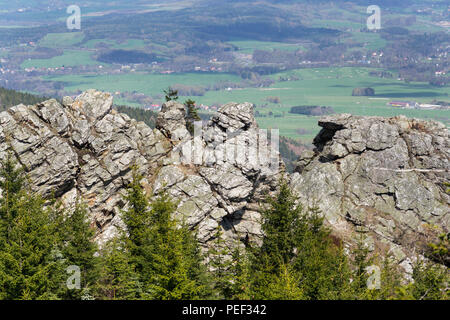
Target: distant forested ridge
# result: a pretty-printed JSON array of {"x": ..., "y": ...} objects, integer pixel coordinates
[
  {"x": 312, "y": 110},
  {"x": 11, "y": 98},
  {"x": 139, "y": 114},
  {"x": 127, "y": 56}
]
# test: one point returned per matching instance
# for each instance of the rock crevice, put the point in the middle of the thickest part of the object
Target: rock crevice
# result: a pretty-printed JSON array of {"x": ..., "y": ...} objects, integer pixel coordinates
[{"x": 384, "y": 176}]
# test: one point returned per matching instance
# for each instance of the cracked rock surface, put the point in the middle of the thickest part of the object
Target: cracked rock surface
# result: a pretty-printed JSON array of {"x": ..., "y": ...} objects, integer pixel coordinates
[
  {"x": 384, "y": 177},
  {"x": 82, "y": 149},
  {"x": 380, "y": 176}
]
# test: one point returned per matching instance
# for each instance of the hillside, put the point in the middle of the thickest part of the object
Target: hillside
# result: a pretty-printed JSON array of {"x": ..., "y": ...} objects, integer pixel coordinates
[{"x": 10, "y": 98}]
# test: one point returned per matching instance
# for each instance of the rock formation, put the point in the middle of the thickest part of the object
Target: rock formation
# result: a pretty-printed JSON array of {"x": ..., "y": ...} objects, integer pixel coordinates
[
  {"x": 83, "y": 150},
  {"x": 383, "y": 177}
]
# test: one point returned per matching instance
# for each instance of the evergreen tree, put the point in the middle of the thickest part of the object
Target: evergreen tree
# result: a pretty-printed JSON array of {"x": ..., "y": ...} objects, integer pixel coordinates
[
  {"x": 390, "y": 280},
  {"x": 12, "y": 181},
  {"x": 241, "y": 271},
  {"x": 171, "y": 94},
  {"x": 191, "y": 115},
  {"x": 118, "y": 279},
  {"x": 299, "y": 239},
  {"x": 430, "y": 282},
  {"x": 10, "y": 98},
  {"x": 79, "y": 249},
  {"x": 220, "y": 265},
  {"x": 322, "y": 264},
  {"x": 361, "y": 261},
  {"x": 285, "y": 285},
  {"x": 30, "y": 267},
  {"x": 166, "y": 256}
]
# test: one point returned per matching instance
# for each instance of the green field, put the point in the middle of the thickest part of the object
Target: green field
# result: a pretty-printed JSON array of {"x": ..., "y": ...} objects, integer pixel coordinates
[
  {"x": 321, "y": 86},
  {"x": 331, "y": 87},
  {"x": 70, "y": 58},
  {"x": 128, "y": 44},
  {"x": 150, "y": 84},
  {"x": 370, "y": 41},
  {"x": 250, "y": 46},
  {"x": 61, "y": 40}
]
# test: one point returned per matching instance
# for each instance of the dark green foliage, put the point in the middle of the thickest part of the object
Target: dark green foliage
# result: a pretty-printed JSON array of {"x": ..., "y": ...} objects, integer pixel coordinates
[
  {"x": 29, "y": 264},
  {"x": 10, "y": 98},
  {"x": 79, "y": 248},
  {"x": 139, "y": 114},
  {"x": 281, "y": 226},
  {"x": 159, "y": 257},
  {"x": 298, "y": 247},
  {"x": 118, "y": 279},
  {"x": 37, "y": 244},
  {"x": 128, "y": 56},
  {"x": 165, "y": 257},
  {"x": 11, "y": 183},
  {"x": 171, "y": 94},
  {"x": 191, "y": 115},
  {"x": 312, "y": 110}
]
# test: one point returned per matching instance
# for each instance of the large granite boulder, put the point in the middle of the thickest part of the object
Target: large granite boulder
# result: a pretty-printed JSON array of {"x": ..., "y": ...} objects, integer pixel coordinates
[
  {"x": 384, "y": 177},
  {"x": 83, "y": 150}
]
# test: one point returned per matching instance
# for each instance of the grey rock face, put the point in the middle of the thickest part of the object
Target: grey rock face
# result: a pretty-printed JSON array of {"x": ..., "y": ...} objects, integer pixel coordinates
[
  {"x": 382, "y": 176},
  {"x": 83, "y": 150},
  {"x": 171, "y": 121}
]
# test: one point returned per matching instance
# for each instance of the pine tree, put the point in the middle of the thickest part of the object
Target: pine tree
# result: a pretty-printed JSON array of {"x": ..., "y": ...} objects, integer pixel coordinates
[
  {"x": 220, "y": 265},
  {"x": 174, "y": 257},
  {"x": 320, "y": 261},
  {"x": 241, "y": 271},
  {"x": 191, "y": 115},
  {"x": 166, "y": 257},
  {"x": 171, "y": 94},
  {"x": 118, "y": 279},
  {"x": 299, "y": 239},
  {"x": 12, "y": 181},
  {"x": 430, "y": 281},
  {"x": 285, "y": 285},
  {"x": 361, "y": 261},
  {"x": 79, "y": 249},
  {"x": 29, "y": 265}
]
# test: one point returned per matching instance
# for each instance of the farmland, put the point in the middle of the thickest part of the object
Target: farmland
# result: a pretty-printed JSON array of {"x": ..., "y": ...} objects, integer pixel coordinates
[
  {"x": 309, "y": 54},
  {"x": 319, "y": 86},
  {"x": 70, "y": 58}
]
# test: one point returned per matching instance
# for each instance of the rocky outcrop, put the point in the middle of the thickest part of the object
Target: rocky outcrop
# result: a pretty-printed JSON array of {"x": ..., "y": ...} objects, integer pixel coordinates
[
  {"x": 381, "y": 176},
  {"x": 83, "y": 150}
]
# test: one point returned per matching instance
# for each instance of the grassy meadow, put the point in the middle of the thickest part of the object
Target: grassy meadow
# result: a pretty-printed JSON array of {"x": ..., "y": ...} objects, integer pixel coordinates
[
  {"x": 320, "y": 86},
  {"x": 70, "y": 58}
]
